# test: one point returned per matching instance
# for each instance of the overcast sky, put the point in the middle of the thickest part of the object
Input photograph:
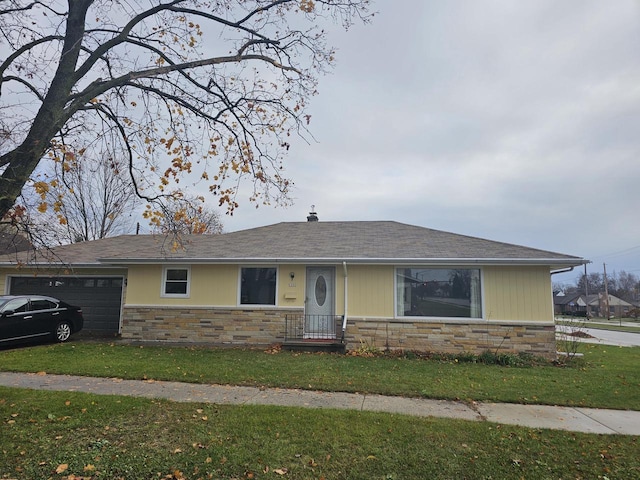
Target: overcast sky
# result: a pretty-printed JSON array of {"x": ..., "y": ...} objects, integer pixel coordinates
[{"x": 516, "y": 121}]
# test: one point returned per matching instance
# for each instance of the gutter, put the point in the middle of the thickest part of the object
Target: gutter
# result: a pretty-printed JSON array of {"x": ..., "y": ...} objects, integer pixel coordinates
[
  {"x": 561, "y": 262},
  {"x": 570, "y": 269},
  {"x": 71, "y": 266}
]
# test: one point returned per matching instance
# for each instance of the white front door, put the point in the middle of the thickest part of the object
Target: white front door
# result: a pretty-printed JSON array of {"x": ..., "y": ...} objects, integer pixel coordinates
[{"x": 320, "y": 303}]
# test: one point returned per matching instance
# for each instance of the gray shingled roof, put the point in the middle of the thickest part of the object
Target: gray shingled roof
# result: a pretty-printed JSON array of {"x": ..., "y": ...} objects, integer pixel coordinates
[
  {"x": 12, "y": 241},
  {"x": 370, "y": 242}
]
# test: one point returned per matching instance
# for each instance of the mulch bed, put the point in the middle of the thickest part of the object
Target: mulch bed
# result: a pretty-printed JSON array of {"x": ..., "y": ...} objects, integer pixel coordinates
[{"x": 578, "y": 333}]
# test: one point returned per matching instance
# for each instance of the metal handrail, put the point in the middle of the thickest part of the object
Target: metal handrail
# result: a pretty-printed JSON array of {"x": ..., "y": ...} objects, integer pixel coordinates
[{"x": 313, "y": 327}]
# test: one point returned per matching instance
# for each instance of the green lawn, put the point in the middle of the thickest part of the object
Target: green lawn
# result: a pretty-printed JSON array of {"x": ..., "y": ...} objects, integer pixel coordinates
[
  {"x": 73, "y": 436},
  {"x": 76, "y": 436},
  {"x": 607, "y": 377}
]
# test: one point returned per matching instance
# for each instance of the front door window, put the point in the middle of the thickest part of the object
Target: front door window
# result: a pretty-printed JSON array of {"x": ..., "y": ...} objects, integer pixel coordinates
[{"x": 321, "y": 291}]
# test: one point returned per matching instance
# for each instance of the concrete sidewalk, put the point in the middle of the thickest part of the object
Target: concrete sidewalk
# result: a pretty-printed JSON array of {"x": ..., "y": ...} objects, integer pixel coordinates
[{"x": 588, "y": 420}]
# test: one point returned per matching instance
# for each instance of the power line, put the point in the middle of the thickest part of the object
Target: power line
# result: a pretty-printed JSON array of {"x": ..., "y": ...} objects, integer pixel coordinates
[{"x": 618, "y": 253}]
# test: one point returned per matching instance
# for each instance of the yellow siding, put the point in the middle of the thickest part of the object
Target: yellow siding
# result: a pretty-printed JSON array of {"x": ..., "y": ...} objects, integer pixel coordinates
[
  {"x": 143, "y": 286},
  {"x": 371, "y": 290},
  {"x": 210, "y": 285},
  {"x": 214, "y": 285},
  {"x": 291, "y": 291},
  {"x": 509, "y": 293},
  {"x": 218, "y": 285},
  {"x": 517, "y": 293}
]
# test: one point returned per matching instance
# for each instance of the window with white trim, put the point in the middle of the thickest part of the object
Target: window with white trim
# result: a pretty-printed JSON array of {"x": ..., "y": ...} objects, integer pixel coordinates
[
  {"x": 438, "y": 292},
  {"x": 176, "y": 281},
  {"x": 258, "y": 285}
]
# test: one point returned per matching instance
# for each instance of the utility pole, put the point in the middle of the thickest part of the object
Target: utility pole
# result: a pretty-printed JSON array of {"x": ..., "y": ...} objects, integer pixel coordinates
[
  {"x": 586, "y": 292},
  {"x": 606, "y": 289}
]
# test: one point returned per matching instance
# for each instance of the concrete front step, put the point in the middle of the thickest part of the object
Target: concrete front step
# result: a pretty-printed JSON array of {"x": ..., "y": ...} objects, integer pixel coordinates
[{"x": 314, "y": 345}]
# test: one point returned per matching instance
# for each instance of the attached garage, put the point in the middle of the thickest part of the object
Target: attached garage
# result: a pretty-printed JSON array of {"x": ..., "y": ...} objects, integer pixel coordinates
[{"x": 99, "y": 297}]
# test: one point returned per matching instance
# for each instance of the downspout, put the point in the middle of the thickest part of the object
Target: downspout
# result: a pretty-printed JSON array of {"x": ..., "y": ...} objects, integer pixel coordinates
[
  {"x": 346, "y": 298},
  {"x": 553, "y": 306}
]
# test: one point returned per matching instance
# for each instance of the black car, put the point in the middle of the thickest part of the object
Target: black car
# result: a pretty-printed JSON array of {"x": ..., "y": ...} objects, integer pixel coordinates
[{"x": 26, "y": 318}]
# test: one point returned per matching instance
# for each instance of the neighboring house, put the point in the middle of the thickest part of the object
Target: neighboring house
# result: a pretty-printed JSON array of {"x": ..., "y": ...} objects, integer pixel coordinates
[
  {"x": 594, "y": 305},
  {"x": 617, "y": 307},
  {"x": 569, "y": 304},
  {"x": 386, "y": 284}
]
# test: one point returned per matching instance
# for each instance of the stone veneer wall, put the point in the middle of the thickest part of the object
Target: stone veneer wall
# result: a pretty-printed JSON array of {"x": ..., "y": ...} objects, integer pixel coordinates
[
  {"x": 215, "y": 326},
  {"x": 453, "y": 337},
  {"x": 265, "y": 326}
]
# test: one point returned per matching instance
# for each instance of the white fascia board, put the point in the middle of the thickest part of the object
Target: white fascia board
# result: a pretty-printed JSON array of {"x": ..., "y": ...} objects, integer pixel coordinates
[{"x": 556, "y": 262}]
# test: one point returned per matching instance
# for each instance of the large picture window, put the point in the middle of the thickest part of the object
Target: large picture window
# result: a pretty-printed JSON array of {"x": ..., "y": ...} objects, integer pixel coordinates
[
  {"x": 258, "y": 286},
  {"x": 438, "y": 292},
  {"x": 176, "y": 282}
]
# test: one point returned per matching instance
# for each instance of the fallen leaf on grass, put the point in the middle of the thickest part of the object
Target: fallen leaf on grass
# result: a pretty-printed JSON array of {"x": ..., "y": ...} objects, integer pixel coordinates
[
  {"x": 281, "y": 471},
  {"x": 62, "y": 468}
]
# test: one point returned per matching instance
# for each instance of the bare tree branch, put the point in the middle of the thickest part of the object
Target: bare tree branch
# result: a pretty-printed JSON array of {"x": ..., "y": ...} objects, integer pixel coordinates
[{"x": 199, "y": 91}]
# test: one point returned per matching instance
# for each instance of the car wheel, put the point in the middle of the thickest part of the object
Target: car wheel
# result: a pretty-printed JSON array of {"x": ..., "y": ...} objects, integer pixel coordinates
[{"x": 63, "y": 331}]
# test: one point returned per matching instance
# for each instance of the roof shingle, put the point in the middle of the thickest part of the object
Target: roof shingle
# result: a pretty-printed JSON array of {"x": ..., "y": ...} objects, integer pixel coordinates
[{"x": 375, "y": 241}]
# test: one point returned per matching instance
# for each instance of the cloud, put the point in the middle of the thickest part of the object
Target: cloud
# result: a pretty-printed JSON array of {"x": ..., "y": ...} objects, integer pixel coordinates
[{"x": 516, "y": 121}]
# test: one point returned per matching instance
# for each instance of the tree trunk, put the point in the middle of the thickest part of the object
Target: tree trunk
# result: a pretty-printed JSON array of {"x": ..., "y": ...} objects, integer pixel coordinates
[{"x": 22, "y": 161}]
